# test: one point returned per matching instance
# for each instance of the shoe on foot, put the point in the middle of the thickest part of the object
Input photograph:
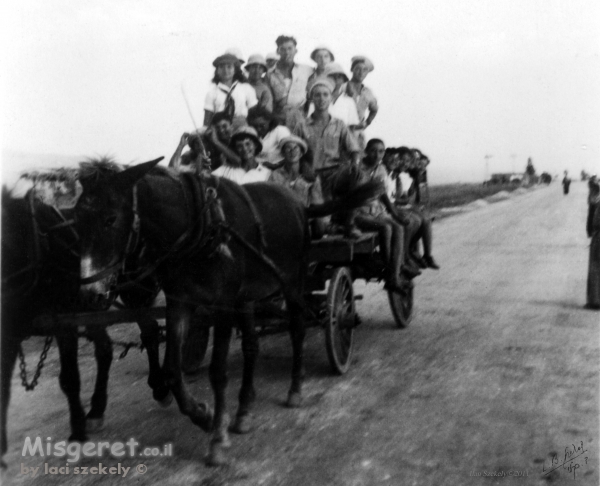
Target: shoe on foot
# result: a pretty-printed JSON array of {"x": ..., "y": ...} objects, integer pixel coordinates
[
  {"x": 418, "y": 260},
  {"x": 431, "y": 263},
  {"x": 410, "y": 271}
]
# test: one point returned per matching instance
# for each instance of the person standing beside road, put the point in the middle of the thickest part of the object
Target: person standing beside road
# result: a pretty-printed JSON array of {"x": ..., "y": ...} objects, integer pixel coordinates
[
  {"x": 288, "y": 81},
  {"x": 593, "y": 232},
  {"x": 364, "y": 98},
  {"x": 566, "y": 182}
]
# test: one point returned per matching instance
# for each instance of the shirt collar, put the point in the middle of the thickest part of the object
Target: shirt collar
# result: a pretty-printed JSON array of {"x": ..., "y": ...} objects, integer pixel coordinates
[{"x": 226, "y": 88}]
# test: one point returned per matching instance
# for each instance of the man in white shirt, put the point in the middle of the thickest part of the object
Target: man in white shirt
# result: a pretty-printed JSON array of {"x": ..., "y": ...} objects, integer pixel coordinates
[{"x": 288, "y": 81}]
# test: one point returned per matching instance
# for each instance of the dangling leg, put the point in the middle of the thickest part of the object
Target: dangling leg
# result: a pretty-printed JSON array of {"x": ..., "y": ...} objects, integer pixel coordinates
[
  {"x": 427, "y": 237},
  {"x": 70, "y": 382},
  {"x": 103, "y": 352},
  {"x": 149, "y": 334},
  {"x": 297, "y": 334},
  {"x": 250, "y": 349},
  {"x": 8, "y": 359},
  {"x": 218, "y": 379}
]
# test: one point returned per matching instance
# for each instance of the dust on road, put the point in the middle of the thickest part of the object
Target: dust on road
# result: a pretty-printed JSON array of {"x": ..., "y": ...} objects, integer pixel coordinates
[{"x": 497, "y": 375}]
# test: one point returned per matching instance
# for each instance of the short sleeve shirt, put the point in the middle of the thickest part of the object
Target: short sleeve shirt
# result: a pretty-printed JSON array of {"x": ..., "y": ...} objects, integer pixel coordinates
[
  {"x": 364, "y": 99},
  {"x": 344, "y": 108},
  {"x": 307, "y": 192},
  {"x": 330, "y": 146},
  {"x": 243, "y": 94},
  {"x": 379, "y": 174},
  {"x": 263, "y": 95},
  {"x": 286, "y": 92}
]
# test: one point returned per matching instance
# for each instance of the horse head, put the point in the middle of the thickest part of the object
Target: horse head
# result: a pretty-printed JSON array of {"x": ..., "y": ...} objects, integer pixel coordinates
[{"x": 106, "y": 219}]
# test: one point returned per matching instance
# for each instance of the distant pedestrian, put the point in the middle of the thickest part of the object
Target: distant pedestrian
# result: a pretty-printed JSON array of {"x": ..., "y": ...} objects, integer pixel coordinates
[
  {"x": 566, "y": 182},
  {"x": 593, "y": 232}
]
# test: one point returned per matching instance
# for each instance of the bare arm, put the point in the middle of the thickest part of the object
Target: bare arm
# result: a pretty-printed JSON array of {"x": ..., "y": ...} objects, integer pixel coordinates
[
  {"x": 175, "y": 161},
  {"x": 229, "y": 154},
  {"x": 208, "y": 115}
]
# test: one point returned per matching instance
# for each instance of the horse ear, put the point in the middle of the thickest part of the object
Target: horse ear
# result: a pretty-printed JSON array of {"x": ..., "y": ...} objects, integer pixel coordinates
[{"x": 133, "y": 174}]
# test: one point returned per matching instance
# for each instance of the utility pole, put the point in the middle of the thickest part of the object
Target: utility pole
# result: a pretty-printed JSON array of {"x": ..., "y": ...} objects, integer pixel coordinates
[
  {"x": 487, "y": 171},
  {"x": 513, "y": 156}
]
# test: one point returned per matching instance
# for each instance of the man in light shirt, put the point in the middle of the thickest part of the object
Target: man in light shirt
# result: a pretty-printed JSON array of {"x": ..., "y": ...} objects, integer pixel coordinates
[{"x": 288, "y": 81}]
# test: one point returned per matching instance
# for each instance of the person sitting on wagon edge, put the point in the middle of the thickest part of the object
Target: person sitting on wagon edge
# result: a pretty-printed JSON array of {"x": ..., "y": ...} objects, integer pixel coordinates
[
  {"x": 288, "y": 81},
  {"x": 193, "y": 160},
  {"x": 333, "y": 147},
  {"x": 381, "y": 216}
]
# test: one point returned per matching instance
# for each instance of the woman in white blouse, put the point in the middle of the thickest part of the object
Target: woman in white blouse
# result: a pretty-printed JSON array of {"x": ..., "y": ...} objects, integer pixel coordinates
[{"x": 229, "y": 92}]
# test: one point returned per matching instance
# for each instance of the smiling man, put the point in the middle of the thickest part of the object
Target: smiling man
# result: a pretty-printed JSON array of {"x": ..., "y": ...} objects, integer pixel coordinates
[{"x": 288, "y": 81}]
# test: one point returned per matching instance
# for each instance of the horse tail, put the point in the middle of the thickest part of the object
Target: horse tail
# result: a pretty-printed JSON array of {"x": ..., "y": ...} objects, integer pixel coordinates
[{"x": 353, "y": 199}]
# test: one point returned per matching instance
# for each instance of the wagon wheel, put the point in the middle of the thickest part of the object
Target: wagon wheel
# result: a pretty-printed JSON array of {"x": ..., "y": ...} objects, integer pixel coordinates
[
  {"x": 402, "y": 306},
  {"x": 341, "y": 320},
  {"x": 194, "y": 348}
]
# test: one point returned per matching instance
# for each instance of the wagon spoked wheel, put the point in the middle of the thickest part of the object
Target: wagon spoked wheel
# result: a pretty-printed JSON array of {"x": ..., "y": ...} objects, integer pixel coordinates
[
  {"x": 402, "y": 306},
  {"x": 341, "y": 320}
]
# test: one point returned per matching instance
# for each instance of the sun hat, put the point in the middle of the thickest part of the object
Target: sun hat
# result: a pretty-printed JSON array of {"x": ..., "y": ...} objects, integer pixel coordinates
[
  {"x": 321, "y": 48},
  {"x": 294, "y": 139},
  {"x": 223, "y": 58},
  {"x": 334, "y": 68},
  {"x": 272, "y": 56},
  {"x": 256, "y": 59},
  {"x": 234, "y": 51},
  {"x": 246, "y": 132},
  {"x": 365, "y": 59},
  {"x": 321, "y": 81}
]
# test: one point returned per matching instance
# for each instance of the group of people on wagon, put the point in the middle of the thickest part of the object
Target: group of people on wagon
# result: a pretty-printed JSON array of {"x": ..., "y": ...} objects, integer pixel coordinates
[{"x": 302, "y": 127}]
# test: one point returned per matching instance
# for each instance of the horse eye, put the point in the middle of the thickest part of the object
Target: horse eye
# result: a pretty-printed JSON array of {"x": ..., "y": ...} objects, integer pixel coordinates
[{"x": 110, "y": 221}]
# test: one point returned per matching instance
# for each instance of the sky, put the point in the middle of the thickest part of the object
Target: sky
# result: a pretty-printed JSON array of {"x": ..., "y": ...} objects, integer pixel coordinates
[{"x": 459, "y": 79}]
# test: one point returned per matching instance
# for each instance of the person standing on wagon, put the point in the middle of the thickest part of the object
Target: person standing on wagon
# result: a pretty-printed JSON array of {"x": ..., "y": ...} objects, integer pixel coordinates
[
  {"x": 288, "y": 81},
  {"x": 363, "y": 96},
  {"x": 333, "y": 148},
  {"x": 229, "y": 92},
  {"x": 257, "y": 68}
]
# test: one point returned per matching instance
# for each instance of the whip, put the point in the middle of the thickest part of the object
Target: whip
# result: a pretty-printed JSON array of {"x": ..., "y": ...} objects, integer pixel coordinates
[{"x": 187, "y": 104}]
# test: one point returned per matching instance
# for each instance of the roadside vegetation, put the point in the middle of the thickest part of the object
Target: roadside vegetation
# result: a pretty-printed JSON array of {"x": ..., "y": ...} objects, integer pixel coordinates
[{"x": 450, "y": 195}]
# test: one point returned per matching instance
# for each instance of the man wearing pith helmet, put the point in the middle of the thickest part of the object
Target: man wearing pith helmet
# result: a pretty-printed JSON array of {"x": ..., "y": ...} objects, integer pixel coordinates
[{"x": 364, "y": 98}]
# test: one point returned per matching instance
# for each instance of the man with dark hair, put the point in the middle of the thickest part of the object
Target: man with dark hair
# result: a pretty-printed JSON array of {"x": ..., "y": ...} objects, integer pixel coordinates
[{"x": 288, "y": 81}]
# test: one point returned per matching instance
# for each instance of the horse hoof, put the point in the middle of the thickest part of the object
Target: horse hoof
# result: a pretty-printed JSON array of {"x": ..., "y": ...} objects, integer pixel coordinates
[
  {"x": 241, "y": 425},
  {"x": 78, "y": 438},
  {"x": 94, "y": 424},
  {"x": 216, "y": 455},
  {"x": 165, "y": 402},
  {"x": 294, "y": 400}
]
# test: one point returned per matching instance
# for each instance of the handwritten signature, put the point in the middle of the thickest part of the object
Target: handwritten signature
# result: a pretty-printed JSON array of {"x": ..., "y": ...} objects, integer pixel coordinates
[{"x": 575, "y": 456}]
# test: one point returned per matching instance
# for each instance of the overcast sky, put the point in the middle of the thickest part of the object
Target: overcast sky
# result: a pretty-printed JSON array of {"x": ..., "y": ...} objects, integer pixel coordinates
[{"x": 457, "y": 78}]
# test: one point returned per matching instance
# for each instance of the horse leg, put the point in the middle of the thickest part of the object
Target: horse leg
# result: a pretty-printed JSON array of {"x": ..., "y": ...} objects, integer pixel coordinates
[
  {"x": 245, "y": 317},
  {"x": 103, "y": 352},
  {"x": 297, "y": 334},
  {"x": 218, "y": 380},
  {"x": 70, "y": 382},
  {"x": 10, "y": 347},
  {"x": 178, "y": 318},
  {"x": 149, "y": 334}
]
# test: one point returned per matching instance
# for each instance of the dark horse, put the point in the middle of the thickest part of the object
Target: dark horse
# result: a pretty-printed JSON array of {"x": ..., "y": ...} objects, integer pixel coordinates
[
  {"x": 40, "y": 277},
  {"x": 215, "y": 244}
]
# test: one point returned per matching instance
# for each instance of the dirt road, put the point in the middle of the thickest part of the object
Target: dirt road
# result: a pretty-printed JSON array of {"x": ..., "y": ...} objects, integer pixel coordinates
[{"x": 496, "y": 377}]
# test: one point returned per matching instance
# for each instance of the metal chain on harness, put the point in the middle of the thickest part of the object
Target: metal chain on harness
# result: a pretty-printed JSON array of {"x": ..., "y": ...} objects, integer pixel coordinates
[{"x": 38, "y": 370}]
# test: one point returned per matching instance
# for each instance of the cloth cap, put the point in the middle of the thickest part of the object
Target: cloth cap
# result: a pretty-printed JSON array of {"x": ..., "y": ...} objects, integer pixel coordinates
[
  {"x": 334, "y": 68},
  {"x": 321, "y": 81},
  {"x": 321, "y": 48},
  {"x": 223, "y": 58},
  {"x": 234, "y": 51},
  {"x": 246, "y": 132},
  {"x": 294, "y": 139},
  {"x": 256, "y": 59},
  {"x": 365, "y": 59},
  {"x": 272, "y": 56}
]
